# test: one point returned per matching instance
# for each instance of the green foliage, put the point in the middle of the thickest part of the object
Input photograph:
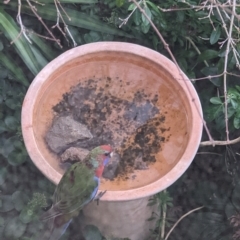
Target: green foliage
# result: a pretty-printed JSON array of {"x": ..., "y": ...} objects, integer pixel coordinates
[
  {"x": 11, "y": 97},
  {"x": 14, "y": 229},
  {"x": 6, "y": 203},
  {"x": 216, "y": 111},
  {"x": 28, "y": 212},
  {"x": 215, "y": 35},
  {"x": 163, "y": 201},
  {"x": 91, "y": 232},
  {"x": 38, "y": 54},
  {"x": 14, "y": 202},
  {"x": 26, "y": 51},
  {"x": 31, "y": 210}
]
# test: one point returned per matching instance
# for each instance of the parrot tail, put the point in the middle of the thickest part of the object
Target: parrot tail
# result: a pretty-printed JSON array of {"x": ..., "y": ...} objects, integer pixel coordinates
[
  {"x": 53, "y": 232},
  {"x": 51, "y": 213}
]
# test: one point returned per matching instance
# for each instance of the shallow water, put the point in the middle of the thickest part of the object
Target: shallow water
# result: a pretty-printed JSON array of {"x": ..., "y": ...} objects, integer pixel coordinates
[
  {"x": 128, "y": 76},
  {"x": 171, "y": 127}
]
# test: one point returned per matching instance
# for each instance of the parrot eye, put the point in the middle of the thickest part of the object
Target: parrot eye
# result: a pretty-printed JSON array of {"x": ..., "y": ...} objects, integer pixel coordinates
[{"x": 107, "y": 154}]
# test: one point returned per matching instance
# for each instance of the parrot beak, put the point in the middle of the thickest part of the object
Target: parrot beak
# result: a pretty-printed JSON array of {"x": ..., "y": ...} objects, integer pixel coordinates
[{"x": 111, "y": 154}]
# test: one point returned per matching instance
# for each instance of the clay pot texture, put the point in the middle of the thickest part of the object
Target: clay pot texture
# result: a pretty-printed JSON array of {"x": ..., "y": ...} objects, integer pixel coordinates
[{"x": 143, "y": 68}]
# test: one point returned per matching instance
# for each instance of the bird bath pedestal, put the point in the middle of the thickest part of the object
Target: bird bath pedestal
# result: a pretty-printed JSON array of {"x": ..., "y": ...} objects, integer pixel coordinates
[{"x": 123, "y": 210}]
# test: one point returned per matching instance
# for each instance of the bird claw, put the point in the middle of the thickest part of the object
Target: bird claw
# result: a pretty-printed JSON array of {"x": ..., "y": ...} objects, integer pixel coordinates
[{"x": 99, "y": 196}]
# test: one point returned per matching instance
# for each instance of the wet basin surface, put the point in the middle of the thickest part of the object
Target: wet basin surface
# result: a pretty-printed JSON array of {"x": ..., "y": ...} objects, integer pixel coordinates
[{"x": 128, "y": 76}]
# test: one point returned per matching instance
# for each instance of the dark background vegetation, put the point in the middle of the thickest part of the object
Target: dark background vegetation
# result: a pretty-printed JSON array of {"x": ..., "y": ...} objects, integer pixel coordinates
[{"x": 211, "y": 181}]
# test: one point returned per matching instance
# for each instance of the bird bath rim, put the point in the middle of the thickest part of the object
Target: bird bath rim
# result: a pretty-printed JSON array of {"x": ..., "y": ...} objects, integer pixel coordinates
[{"x": 145, "y": 53}]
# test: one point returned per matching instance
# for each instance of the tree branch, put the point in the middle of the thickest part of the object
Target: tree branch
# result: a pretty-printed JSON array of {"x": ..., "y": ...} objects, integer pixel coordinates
[
  {"x": 180, "y": 219},
  {"x": 164, "y": 214},
  {"x": 42, "y": 22},
  {"x": 229, "y": 142}
]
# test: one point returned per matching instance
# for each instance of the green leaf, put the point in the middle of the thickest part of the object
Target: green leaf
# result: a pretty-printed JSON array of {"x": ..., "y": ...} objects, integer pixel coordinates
[
  {"x": 3, "y": 175},
  {"x": 231, "y": 111},
  {"x": 14, "y": 228},
  {"x": 3, "y": 72},
  {"x": 222, "y": 52},
  {"x": 2, "y": 127},
  {"x": 11, "y": 31},
  {"x": 145, "y": 28},
  {"x": 213, "y": 112},
  {"x": 207, "y": 55},
  {"x": 42, "y": 62},
  {"x": 180, "y": 16},
  {"x": 119, "y": 3},
  {"x": 233, "y": 93},
  {"x": 27, "y": 215},
  {"x": 131, "y": 7},
  {"x": 238, "y": 88},
  {"x": 148, "y": 13},
  {"x": 17, "y": 157},
  {"x": 11, "y": 122},
  {"x": 216, "y": 100},
  {"x": 234, "y": 103},
  {"x": 47, "y": 51},
  {"x": 2, "y": 221},
  {"x": 183, "y": 64},
  {"x": 7, "y": 204},
  {"x": 1, "y": 45},
  {"x": 155, "y": 42},
  {"x": 92, "y": 37},
  {"x": 107, "y": 37},
  {"x": 91, "y": 232},
  {"x": 153, "y": 6},
  {"x": 19, "y": 199},
  {"x": 215, "y": 35},
  {"x": 6, "y": 146},
  {"x": 7, "y": 61},
  {"x": 11, "y": 103},
  {"x": 78, "y": 19},
  {"x": 211, "y": 71},
  {"x": 236, "y": 122},
  {"x": 137, "y": 17},
  {"x": 72, "y": 1}
]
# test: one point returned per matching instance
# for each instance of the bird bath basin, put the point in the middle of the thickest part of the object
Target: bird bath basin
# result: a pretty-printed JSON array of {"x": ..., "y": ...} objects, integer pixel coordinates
[{"x": 132, "y": 69}]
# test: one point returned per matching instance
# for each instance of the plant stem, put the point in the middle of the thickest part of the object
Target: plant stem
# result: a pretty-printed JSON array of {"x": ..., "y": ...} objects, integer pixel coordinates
[
  {"x": 213, "y": 153},
  {"x": 180, "y": 219},
  {"x": 225, "y": 69},
  {"x": 164, "y": 213},
  {"x": 229, "y": 142},
  {"x": 196, "y": 48}
]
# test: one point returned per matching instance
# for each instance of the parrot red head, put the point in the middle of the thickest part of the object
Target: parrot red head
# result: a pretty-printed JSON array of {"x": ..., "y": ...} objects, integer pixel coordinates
[
  {"x": 104, "y": 154},
  {"x": 106, "y": 148}
]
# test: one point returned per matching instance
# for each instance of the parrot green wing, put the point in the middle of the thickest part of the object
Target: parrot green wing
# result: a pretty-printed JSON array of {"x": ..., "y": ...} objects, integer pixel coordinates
[{"x": 77, "y": 187}]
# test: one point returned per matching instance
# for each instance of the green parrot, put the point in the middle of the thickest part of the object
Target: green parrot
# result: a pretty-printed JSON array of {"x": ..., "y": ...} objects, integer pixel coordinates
[{"x": 77, "y": 187}]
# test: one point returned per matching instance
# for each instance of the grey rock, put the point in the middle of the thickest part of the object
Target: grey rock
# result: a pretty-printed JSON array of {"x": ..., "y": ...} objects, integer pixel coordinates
[
  {"x": 74, "y": 154},
  {"x": 110, "y": 169},
  {"x": 64, "y": 131}
]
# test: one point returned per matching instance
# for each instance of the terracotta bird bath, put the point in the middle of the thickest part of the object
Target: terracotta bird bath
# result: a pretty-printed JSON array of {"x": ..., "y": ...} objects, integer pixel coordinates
[{"x": 123, "y": 209}]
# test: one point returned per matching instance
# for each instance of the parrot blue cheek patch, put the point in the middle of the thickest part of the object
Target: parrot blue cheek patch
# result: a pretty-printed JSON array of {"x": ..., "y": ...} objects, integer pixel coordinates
[{"x": 105, "y": 161}]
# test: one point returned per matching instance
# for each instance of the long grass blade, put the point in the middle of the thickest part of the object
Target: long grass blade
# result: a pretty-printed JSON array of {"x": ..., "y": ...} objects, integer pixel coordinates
[
  {"x": 78, "y": 19},
  {"x": 46, "y": 50},
  {"x": 71, "y": 1},
  {"x": 9, "y": 63},
  {"x": 11, "y": 31}
]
